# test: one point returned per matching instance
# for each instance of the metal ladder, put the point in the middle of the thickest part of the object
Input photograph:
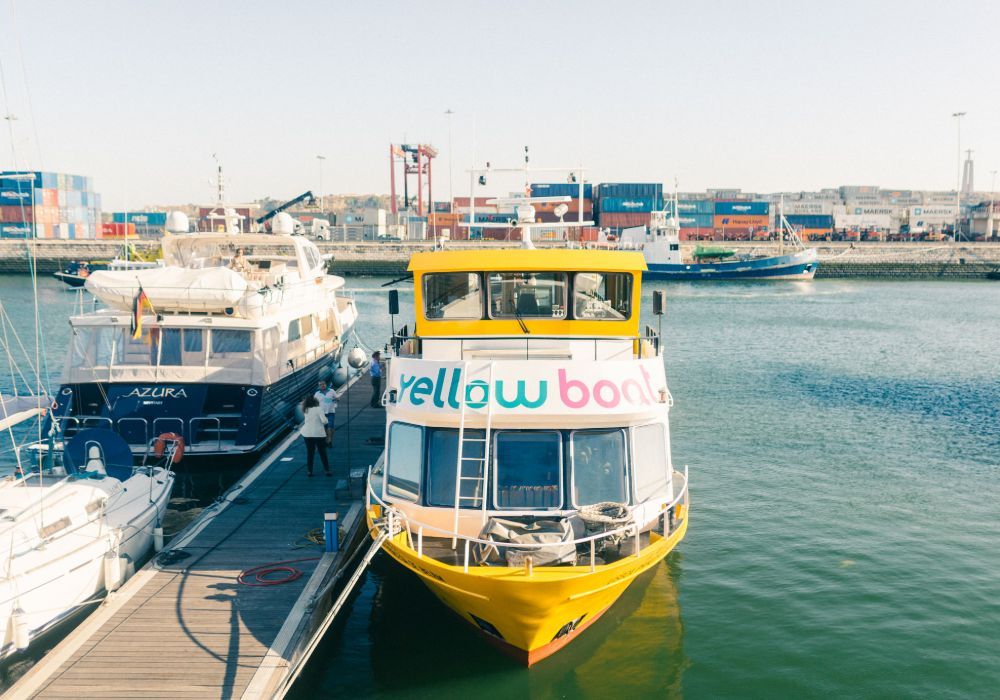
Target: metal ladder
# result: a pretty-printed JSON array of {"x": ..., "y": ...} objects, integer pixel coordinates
[{"x": 464, "y": 458}]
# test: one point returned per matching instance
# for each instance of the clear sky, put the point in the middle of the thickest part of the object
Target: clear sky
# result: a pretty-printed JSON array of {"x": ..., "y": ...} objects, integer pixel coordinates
[{"x": 764, "y": 96}]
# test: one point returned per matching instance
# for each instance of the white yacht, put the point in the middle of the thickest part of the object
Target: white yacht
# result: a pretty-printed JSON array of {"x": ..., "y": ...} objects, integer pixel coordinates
[{"x": 216, "y": 346}]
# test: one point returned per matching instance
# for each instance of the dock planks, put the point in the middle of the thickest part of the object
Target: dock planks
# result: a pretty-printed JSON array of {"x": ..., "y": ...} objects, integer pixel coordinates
[{"x": 189, "y": 629}]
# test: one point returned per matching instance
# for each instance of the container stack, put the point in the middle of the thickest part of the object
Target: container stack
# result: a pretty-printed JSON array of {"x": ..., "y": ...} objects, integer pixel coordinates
[
  {"x": 146, "y": 224},
  {"x": 48, "y": 205},
  {"x": 742, "y": 220},
  {"x": 624, "y": 205},
  {"x": 811, "y": 227},
  {"x": 545, "y": 212},
  {"x": 696, "y": 218}
]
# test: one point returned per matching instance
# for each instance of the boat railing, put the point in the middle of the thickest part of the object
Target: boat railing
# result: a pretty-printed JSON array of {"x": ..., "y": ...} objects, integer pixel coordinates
[
  {"x": 401, "y": 342},
  {"x": 135, "y": 429},
  {"x": 394, "y": 520}
]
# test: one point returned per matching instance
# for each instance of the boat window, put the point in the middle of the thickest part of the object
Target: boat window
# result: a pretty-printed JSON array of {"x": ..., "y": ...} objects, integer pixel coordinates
[
  {"x": 299, "y": 328},
  {"x": 93, "y": 345},
  {"x": 232, "y": 346},
  {"x": 442, "y": 460},
  {"x": 650, "y": 461},
  {"x": 528, "y": 470},
  {"x": 137, "y": 351},
  {"x": 528, "y": 294},
  {"x": 312, "y": 258},
  {"x": 453, "y": 295},
  {"x": 599, "y": 467},
  {"x": 182, "y": 346},
  {"x": 404, "y": 462},
  {"x": 602, "y": 295}
]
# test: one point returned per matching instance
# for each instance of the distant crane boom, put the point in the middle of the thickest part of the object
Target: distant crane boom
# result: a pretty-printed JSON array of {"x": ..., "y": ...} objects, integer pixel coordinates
[{"x": 305, "y": 196}]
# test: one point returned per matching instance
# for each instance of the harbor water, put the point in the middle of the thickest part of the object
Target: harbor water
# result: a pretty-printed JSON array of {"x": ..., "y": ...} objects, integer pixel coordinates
[{"x": 843, "y": 440}]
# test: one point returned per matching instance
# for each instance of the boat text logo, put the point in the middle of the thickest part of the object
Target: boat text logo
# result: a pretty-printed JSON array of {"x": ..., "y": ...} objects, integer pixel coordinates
[
  {"x": 156, "y": 392},
  {"x": 571, "y": 392}
]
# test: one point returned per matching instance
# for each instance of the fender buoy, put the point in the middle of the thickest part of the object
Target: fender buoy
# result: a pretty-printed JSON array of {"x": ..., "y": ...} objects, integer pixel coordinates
[{"x": 161, "y": 444}]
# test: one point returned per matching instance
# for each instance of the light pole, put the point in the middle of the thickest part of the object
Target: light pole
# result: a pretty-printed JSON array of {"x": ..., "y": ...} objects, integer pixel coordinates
[
  {"x": 451, "y": 194},
  {"x": 993, "y": 204},
  {"x": 321, "y": 159},
  {"x": 958, "y": 173}
]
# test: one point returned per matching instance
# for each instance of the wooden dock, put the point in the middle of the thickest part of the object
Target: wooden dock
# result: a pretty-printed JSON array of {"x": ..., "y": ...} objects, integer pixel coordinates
[{"x": 185, "y": 627}]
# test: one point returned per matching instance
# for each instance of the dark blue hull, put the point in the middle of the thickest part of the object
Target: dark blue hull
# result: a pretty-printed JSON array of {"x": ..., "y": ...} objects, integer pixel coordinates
[
  {"x": 794, "y": 266},
  {"x": 213, "y": 419}
]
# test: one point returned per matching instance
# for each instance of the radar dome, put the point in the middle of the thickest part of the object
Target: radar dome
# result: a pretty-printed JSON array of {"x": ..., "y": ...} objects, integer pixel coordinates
[
  {"x": 177, "y": 222},
  {"x": 283, "y": 223}
]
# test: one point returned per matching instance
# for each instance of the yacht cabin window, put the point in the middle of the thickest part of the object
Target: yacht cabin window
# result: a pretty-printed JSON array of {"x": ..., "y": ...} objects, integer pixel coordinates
[
  {"x": 442, "y": 461},
  {"x": 528, "y": 469},
  {"x": 453, "y": 295},
  {"x": 528, "y": 294},
  {"x": 404, "y": 461},
  {"x": 602, "y": 296},
  {"x": 599, "y": 467},
  {"x": 299, "y": 328},
  {"x": 650, "y": 461},
  {"x": 230, "y": 348},
  {"x": 182, "y": 347}
]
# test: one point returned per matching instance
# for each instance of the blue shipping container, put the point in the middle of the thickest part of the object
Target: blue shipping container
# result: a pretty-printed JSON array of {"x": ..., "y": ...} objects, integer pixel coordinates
[
  {"x": 38, "y": 180},
  {"x": 696, "y": 220},
  {"x": 742, "y": 208},
  {"x": 630, "y": 189},
  {"x": 810, "y": 220},
  {"x": 630, "y": 204},
  {"x": 696, "y": 206},
  {"x": 562, "y": 189},
  {"x": 16, "y": 231},
  {"x": 10, "y": 197}
]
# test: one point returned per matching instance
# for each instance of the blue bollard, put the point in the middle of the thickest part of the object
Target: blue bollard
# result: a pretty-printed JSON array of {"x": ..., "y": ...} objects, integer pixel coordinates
[{"x": 330, "y": 533}]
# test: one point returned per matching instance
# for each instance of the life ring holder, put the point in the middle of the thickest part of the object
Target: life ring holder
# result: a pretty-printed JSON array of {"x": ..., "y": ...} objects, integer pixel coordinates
[{"x": 160, "y": 445}]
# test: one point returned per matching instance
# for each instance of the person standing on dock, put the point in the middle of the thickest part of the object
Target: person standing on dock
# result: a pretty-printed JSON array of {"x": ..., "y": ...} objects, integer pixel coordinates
[
  {"x": 376, "y": 373},
  {"x": 313, "y": 430},
  {"x": 327, "y": 398}
]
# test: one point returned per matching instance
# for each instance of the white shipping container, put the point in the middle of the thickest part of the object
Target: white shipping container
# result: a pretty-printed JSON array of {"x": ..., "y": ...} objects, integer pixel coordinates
[
  {"x": 863, "y": 221},
  {"x": 805, "y": 206},
  {"x": 374, "y": 217}
]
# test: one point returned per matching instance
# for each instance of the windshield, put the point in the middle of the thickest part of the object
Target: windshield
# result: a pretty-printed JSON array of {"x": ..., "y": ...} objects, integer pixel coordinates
[
  {"x": 599, "y": 467},
  {"x": 528, "y": 470},
  {"x": 528, "y": 294},
  {"x": 602, "y": 295}
]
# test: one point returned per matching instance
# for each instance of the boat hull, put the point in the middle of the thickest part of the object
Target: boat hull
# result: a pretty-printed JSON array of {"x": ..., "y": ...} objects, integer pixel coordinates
[
  {"x": 531, "y": 617},
  {"x": 797, "y": 266},
  {"x": 250, "y": 416}
]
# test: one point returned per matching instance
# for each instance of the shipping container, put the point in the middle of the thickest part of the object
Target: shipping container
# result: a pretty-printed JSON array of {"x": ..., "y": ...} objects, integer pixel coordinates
[
  {"x": 38, "y": 180},
  {"x": 696, "y": 206},
  {"x": 442, "y": 207},
  {"x": 696, "y": 220},
  {"x": 622, "y": 219},
  {"x": 15, "y": 214},
  {"x": 746, "y": 222},
  {"x": 810, "y": 221},
  {"x": 705, "y": 233},
  {"x": 141, "y": 218},
  {"x": 16, "y": 230},
  {"x": 630, "y": 189},
  {"x": 12, "y": 196},
  {"x": 562, "y": 189},
  {"x": 742, "y": 208},
  {"x": 629, "y": 204},
  {"x": 116, "y": 230}
]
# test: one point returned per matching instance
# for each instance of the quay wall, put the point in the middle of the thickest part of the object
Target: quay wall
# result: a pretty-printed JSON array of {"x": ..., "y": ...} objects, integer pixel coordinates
[{"x": 838, "y": 260}]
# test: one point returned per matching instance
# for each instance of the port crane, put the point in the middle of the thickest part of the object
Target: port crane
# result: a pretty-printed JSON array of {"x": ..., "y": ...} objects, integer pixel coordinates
[
  {"x": 306, "y": 197},
  {"x": 416, "y": 160}
]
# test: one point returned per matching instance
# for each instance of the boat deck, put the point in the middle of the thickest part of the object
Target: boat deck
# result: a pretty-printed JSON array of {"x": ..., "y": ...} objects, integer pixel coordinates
[
  {"x": 439, "y": 549},
  {"x": 186, "y": 627}
]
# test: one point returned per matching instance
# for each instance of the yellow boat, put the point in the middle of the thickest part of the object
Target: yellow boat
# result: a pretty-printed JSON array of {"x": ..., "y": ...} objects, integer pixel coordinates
[{"x": 527, "y": 478}]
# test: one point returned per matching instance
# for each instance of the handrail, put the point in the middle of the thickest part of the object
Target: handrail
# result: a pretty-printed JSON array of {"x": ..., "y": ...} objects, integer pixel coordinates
[{"x": 630, "y": 528}]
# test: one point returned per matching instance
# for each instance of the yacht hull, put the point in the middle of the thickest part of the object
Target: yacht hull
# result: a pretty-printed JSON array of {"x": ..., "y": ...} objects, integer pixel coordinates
[
  {"x": 530, "y": 617},
  {"x": 797, "y": 266},
  {"x": 249, "y": 416}
]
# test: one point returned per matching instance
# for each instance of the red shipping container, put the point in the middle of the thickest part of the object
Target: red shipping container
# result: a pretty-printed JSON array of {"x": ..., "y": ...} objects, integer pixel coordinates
[
  {"x": 624, "y": 219},
  {"x": 116, "y": 230},
  {"x": 50, "y": 198},
  {"x": 15, "y": 214},
  {"x": 464, "y": 202}
]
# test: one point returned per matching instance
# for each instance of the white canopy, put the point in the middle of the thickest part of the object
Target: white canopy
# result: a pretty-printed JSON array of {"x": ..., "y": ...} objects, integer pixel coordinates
[
  {"x": 17, "y": 409},
  {"x": 170, "y": 288}
]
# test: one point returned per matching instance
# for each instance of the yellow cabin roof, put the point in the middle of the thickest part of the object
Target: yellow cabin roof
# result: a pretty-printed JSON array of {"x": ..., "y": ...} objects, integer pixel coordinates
[{"x": 520, "y": 259}]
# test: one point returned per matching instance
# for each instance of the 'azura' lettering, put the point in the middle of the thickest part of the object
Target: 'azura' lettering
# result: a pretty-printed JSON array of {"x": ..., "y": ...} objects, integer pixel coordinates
[{"x": 157, "y": 392}]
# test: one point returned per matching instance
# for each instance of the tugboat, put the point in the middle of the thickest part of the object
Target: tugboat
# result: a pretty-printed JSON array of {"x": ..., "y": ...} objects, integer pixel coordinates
[
  {"x": 660, "y": 245},
  {"x": 217, "y": 346},
  {"x": 527, "y": 479}
]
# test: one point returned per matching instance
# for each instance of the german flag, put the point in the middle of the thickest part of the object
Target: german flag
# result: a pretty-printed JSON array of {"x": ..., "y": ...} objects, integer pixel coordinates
[{"x": 140, "y": 301}]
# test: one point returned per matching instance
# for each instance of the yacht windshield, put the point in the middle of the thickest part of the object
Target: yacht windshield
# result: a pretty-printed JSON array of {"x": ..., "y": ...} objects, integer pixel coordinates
[
  {"x": 602, "y": 295},
  {"x": 528, "y": 470},
  {"x": 453, "y": 295},
  {"x": 528, "y": 294},
  {"x": 599, "y": 467}
]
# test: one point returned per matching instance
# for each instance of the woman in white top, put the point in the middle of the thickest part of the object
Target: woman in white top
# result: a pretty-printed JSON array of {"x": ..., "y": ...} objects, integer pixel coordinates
[{"x": 313, "y": 430}]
